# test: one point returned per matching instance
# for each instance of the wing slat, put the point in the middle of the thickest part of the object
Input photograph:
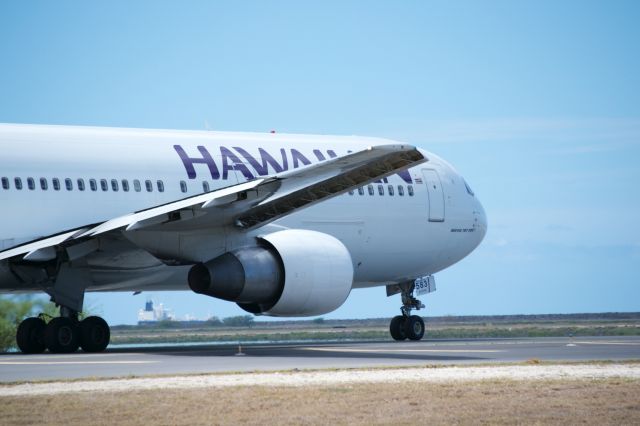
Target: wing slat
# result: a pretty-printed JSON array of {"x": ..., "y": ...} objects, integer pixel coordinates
[{"x": 280, "y": 205}]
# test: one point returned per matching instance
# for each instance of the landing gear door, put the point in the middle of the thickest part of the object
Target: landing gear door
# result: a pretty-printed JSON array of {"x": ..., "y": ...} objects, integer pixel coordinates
[
  {"x": 425, "y": 285},
  {"x": 436, "y": 195}
]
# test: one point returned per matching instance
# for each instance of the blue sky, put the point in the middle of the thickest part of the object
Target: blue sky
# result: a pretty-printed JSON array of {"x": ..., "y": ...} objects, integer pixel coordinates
[{"x": 536, "y": 103}]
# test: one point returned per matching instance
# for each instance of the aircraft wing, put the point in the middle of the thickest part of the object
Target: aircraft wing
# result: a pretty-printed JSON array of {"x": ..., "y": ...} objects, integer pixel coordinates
[
  {"x": 303, "y": 188},
  {"x": 246, "y": 205}
]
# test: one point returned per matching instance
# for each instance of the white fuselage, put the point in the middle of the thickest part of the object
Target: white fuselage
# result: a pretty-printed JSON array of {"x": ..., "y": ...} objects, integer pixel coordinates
[{"x": 57, "y": 178}]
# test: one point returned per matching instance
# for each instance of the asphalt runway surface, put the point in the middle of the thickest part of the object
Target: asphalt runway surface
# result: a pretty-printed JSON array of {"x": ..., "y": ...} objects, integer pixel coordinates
[{"x": 172, "y": 360}]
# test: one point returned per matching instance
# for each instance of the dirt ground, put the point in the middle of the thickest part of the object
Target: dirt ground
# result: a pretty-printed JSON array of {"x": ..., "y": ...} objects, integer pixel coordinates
[{"x": 583, "y": 401}]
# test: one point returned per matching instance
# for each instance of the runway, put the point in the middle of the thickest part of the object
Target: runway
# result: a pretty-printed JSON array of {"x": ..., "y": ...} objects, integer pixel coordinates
[{"x": 120, "y": 362}]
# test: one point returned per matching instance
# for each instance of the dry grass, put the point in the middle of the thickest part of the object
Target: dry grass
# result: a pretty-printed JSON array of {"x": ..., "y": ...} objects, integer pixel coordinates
[{"x": 610, "y": 401}]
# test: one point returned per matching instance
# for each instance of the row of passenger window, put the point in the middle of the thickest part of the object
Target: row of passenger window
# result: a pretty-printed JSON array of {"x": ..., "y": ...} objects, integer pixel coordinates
[
  {"x": 116, "y": 184},
  {"x": 390, "y": 189},
  {"x": 94, "y": 184},
  {"x": 104, "y": 184}
]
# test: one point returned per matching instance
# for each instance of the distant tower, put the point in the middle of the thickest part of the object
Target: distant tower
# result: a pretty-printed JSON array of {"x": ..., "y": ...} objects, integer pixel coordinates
[
  {"x": 147, "y": 314},
  {"x": 154, "y": 313}
]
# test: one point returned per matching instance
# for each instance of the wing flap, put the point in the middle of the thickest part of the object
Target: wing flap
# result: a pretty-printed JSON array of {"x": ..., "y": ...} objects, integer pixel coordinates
[
  {"x": 166, "y": 209},
  {"x": 37, "y": 247}
]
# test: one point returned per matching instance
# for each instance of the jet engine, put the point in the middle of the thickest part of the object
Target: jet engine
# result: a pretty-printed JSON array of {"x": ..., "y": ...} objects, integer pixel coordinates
[{"x": 289, "y": 273}]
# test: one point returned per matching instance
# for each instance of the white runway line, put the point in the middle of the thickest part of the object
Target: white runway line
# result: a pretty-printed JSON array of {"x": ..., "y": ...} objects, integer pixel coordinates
[
  {"x": 74, "y": 362},
  {"x": 324, "y": 378},
  {"x": 336, "y": 349},
  {"x": 49, "y": 356}
]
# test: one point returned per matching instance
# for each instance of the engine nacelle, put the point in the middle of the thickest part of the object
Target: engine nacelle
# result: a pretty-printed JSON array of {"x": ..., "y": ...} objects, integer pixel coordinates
[
  {"x": 291, "y": 273},
  {"x": 248, "y": 275}
]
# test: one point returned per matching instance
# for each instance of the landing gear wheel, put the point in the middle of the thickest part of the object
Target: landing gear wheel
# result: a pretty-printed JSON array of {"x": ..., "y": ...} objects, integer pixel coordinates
[
  {"x": 396, "y": 328},
  {"x": 61, "y": 335},
  {"x": 94, "y": 334},
  {"x": 414, "y": 327},
  {"x": 30, "y": 336}
]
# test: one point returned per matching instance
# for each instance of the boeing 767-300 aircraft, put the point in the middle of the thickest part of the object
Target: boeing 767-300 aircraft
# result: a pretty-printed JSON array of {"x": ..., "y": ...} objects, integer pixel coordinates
[{"x": 282, "y": 225}]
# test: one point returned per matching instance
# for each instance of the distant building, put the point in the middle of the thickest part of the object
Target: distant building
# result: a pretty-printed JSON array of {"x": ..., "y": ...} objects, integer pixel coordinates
[{"x": 152, "y": 314}]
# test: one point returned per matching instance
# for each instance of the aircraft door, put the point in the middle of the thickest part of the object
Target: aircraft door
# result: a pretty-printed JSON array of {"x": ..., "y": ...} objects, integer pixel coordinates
[{"x": 436, "y": 195}]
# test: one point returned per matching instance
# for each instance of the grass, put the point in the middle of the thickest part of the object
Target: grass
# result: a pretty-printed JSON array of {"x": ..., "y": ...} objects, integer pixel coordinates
[
  {"x": 371, "y": 333},
  {"x": 601, "y": 402}
]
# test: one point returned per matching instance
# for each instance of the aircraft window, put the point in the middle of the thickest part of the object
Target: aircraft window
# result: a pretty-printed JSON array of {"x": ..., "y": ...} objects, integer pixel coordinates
[
  {"x": 160, "y": 186},
  {"x": 43, "y": 184},
  {"x": 5, "y": 183},
  {"x": 18, "y": 183},
  {"x": 81, "y": 184},
  {"x": 136, "y": 185},
  {"x": 183, "y": 186},
  {"x": 104, "y": 185},
  {"x": 466, "y": 185},
  {"x": 205, "y": 186},
  {"x": 56, "y": 184},
  {"x": 410, "y": 190},
  {"x": 351, "y": 192},
  {"x": 149, "y": 185},
  {"x": 93, "y": 185},
  {"x": 68, "y": 183},
  {"x": 125, "y": 185},
  {"x": 370, "y": 188},
  {"x": 361, "y": 191},
  {"x": 390, "y": 188},
  {"x": 400, "y": 190},
  {"x": 114, "y": 184},
  {"x": 31, "y": 184},
  {"x": 380, "y": 190}
]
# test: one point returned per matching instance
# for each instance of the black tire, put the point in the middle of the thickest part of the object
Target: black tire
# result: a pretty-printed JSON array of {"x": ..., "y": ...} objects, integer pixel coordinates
[
  {"x": 30, "y": 336},
  {"x": 61, "y": 335},
  {"x": 94, "y": 334},
  {"x": 414, "y": 328},
  {"x": 396, "y": 328}
]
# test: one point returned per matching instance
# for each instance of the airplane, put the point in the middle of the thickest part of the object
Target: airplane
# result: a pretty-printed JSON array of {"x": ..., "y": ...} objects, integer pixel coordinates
[{"x": 283, "y": 225}]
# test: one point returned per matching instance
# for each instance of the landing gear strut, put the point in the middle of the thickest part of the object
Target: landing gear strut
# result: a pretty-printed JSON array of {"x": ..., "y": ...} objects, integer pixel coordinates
[
  {"x": 407, "y": 326},
  {"x": 63, "y": 334}
]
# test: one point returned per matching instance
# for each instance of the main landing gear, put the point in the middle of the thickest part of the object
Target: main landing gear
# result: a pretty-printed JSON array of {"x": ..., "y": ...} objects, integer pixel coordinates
[
  {"x": 407, "y": 326},
  {"x": 63, "y": 334}
]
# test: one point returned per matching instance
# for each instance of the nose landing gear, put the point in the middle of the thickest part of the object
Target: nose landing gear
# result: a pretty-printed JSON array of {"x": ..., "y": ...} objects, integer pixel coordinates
[
  {"x": 414, "y": 327},
  {"x": 407, "y": 326}
]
